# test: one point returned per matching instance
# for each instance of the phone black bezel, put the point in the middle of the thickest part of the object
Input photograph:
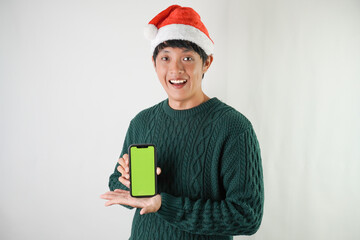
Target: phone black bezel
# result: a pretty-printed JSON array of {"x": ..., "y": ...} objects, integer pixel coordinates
[{"x": 143, "y": 145}]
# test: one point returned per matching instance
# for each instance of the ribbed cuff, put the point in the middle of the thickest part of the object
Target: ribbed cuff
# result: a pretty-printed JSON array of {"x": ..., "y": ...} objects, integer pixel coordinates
[{"x": 171, "y": 207}]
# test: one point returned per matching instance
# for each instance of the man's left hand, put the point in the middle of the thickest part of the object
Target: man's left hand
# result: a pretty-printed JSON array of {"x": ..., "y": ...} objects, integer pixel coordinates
[{"x": 119, "y": 196}]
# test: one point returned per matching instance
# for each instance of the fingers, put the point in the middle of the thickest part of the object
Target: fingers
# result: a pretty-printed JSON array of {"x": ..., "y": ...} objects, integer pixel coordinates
[
  {"x": 113, "y": 201},
  {"x": 108, "y": 195},
  {"x": 118, "y": 196},
  {"x": 126, "y": 158},
  {"x": 143, "y": 211},
  {"x": 111, "y": 194},
  {"x": 120, "y": 191},
  {"x": 153, "y": 204},
  {"x": 123, "y": 168},
  {"x": 124, "y": 181},
  {"x": 123, "y": 172},
  {"x": 103, "y": 196},
  {"x": 124, "y": 162}
]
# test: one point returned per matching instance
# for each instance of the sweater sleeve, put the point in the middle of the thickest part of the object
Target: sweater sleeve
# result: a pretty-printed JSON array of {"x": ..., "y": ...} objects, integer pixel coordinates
[
  {"x": 114, "y": 182},
  {"x": 240, "y": 212}
]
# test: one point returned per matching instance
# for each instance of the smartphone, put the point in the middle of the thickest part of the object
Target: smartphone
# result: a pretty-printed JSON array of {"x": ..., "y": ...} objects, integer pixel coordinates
[{"x": 142, "y": 164}]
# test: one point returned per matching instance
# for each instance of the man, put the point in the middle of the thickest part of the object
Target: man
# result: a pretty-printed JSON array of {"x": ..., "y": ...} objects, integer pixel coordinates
[{"x": 211, "y": 183}]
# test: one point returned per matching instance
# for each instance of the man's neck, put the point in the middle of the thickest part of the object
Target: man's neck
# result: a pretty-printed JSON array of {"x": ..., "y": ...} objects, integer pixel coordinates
[{"x": 187, "y": 104}]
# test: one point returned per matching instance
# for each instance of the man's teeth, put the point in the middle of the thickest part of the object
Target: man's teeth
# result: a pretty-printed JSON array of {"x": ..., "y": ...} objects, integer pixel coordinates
[{"x": 178, "y": 81}]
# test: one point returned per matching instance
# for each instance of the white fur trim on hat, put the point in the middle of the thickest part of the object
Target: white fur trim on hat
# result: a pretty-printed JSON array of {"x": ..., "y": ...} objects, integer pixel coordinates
[
  {"x": 183, "y": 32},
  {"x": 150, "y": 31}
]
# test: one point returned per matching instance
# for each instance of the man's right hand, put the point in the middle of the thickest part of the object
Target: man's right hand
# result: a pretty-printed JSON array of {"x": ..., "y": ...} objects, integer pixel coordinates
[{"x": 124, "y": 169}]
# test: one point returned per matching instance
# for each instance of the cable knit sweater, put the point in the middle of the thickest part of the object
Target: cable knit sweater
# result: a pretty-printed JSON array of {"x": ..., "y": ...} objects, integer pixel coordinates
[{"x": 211, "y": 183}]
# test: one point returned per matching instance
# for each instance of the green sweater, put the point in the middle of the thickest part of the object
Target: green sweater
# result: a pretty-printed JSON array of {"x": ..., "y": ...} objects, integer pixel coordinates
[{"x": 211, "y": 182}]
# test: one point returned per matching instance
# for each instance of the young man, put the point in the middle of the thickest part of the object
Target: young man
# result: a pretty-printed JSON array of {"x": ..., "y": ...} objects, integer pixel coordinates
[{"x": 211, "y": 183}]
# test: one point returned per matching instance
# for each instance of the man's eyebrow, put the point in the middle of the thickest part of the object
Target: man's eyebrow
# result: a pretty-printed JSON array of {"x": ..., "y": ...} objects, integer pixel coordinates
[
  {"x": 184, "y": 51},
  {"x": 187, "y": 50}
]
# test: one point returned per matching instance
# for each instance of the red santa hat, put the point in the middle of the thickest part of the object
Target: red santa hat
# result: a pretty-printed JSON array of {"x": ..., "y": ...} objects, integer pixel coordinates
[{"x": 181, "y": 23}]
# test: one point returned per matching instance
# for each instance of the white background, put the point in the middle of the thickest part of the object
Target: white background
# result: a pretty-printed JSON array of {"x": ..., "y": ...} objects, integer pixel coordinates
[{"x": 74, "y": 73}]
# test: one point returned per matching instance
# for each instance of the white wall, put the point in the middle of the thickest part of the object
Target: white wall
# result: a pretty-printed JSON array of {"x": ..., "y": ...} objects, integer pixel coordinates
[
  {"x": 297, "y": 76},
  {"x": 68, "y": 72}
]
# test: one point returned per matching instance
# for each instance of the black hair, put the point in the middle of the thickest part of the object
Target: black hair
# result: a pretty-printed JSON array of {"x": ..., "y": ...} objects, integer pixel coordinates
[{"x": 181, "y": 44}]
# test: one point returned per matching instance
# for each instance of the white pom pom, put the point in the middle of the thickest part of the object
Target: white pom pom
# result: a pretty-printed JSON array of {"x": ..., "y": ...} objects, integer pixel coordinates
[{"x": 150, "y": 31}]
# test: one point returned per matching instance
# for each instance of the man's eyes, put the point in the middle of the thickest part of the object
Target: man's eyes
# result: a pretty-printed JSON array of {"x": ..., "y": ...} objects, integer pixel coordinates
[{"x": 185, "y": 58}]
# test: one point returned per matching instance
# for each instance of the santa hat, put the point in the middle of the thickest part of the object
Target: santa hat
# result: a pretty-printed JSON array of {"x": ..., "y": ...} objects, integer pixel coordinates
[{"x": 181, "y": 23}]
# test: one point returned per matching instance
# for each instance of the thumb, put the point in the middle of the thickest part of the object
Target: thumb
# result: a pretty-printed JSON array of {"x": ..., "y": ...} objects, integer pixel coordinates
[{"x": 143, "y": 211}]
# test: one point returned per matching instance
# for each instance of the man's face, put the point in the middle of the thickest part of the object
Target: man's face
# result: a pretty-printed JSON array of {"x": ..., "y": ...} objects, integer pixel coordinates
[{"x": 180, "y": 73}]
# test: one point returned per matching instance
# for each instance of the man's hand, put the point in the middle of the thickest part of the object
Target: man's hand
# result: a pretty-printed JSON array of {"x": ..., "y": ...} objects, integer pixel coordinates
[
  {"x": 124, "y": 169},
  {"x": 119, "y": 196}
]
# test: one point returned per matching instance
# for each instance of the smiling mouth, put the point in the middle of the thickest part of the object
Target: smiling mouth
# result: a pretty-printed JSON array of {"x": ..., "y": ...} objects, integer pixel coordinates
[{"x": 178, "y": 82}]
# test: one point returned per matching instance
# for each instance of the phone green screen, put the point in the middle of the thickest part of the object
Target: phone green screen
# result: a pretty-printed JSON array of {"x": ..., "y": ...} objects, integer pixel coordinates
[{"x": 142, "y": 170}]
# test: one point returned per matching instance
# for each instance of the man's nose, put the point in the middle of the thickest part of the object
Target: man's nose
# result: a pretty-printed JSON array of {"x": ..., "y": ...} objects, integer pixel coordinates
[{"x": 176, "y": 67}]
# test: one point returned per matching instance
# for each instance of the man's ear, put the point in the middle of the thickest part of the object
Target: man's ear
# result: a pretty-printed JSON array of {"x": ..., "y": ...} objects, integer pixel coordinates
[{"x": 207, "y": 63}]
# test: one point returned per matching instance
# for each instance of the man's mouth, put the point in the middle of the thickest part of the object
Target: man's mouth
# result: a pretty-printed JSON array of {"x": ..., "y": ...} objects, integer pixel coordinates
[{"x": 178, "y": 81}]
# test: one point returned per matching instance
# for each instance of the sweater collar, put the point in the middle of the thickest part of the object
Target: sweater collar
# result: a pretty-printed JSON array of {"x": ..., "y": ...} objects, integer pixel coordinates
[{"x": 188, "y": 112}]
